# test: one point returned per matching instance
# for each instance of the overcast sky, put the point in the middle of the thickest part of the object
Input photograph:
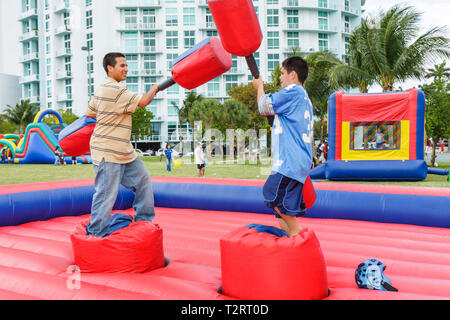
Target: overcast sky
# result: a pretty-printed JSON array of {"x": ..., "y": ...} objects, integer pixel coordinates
[{"x": 435, "y": 13}]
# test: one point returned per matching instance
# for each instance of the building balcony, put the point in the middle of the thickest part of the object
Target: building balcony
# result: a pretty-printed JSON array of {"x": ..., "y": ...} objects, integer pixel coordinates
[
  {"x": 62, "y": 6},
  {"x": 208, "y": 26},
  {"x": 64, "y": 97},
  {"x": 63, "y": 75},
  {"x": 144, "y": 49},
  {"x": 308, "y": 4},
  {"x": 63, "y": 30},
  {"x": 35, "y": 99},
  {"x": 31, "y": 13},
  {"x": 202, "y": 3},
  {"x": 29, "y": 78},
  {"x": 140, "y": 27},
  {"x": 29, "y": 57},
  {"x": 150, "y": 73},
  {"x": 30, "y": 35},
  {"x": 125, "y": 4},
  {"x": 63, "y": 53},
  {"x": 310, "y": 27}
]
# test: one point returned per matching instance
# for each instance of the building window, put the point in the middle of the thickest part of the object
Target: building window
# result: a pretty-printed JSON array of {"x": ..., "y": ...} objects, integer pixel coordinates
[
  {"x": 148, "y": 82},
  {"x": 88, "y": 19},
  {"x": 68, "y": 65},
  {"x": 293, "y": 40},
  {"x": 67, "y": 45},
  {"x": 212, "y": 33},
  {"x": 49, "y": 89},
  {"x": 273, "y": 40},
  {"x": 133, "y": 84},
  {"x": 149, "y": 18},
  {"x": 323, "y": 4},
  {"x": 131, "y": 41},
  {"x": 132, "y": 61},
  {"x": 347, "y": 24},
  {"x": 149, "y": 41},
  {"x": 189, "y": 39},
  {"x": 175, "y": 89},
  {"x": 292, "y": 19},
  {"x": 347, "y": 5},
  {"x": 189, "y": 16},
  {"x": 272, "y": 1},
  {"x": 230, "y": 81},
  {"x": 150, "y": 63},
  {"x": 89, "y": 40},
  {"x": 273, "y": 59},
  {"x": 171, "y": 17},
  {"x": 209, "y": 20},
  {"x": 323, "y": 20},
  {"x": 173, "y": 107},
  {"x": 68, "y": 89},
  {"x": 130, "y": 16},
  {"x": 172, "y": 39},
  {"x": 47, "y": 23},
  {"x": 170, "y": 57},
  {"x": 323, "y": 42},
  {"x": 272, "y": 17},
  {"x": 214, "y": 88}
]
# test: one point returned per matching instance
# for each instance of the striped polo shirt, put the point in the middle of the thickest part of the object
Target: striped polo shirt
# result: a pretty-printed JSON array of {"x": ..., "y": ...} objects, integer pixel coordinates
[{"x": 112, "y": 105}]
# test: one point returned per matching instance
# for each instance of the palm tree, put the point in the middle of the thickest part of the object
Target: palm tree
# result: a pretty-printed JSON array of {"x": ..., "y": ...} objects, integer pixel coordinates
[
  {"x": 21, "y": 114},
  {"x": 386, "y": 50},
  {"x": 438, "y": 72},
  {"x": 234, "y": 114},
  {"x": 318, "y": 84},
  {"x": 209, "y": 111}
]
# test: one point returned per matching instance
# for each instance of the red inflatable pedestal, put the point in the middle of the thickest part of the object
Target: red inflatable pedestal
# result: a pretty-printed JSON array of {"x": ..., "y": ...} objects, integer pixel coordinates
[
  {"x": 262, "y": 266},
  {"x": 136, "y": 248}
]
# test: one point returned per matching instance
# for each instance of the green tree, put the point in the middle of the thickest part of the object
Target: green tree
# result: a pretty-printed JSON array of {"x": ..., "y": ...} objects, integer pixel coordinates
[
  {"x": 184, "y": 111},
  {"x": 437, "y": 107},
  {"x": 141, "y": 124},
  {"x": 319, "y": 86},
  {"x": 21, "y": 114},
  {"x": 234, "y": 114},
  {"x": 67, "y": 116},
  {"x": 389, "y": 48}
]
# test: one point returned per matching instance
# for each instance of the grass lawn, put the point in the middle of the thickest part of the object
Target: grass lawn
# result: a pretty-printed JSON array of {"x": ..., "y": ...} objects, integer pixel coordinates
[{"x": 28, "y": 173}]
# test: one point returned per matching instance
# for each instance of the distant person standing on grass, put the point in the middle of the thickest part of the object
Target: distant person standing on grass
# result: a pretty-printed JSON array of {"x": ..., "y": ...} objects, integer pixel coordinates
[
  {"x": 199, "y": 159},
  {"x": 114, "y": 160},
  {"x": 168, "y": 153}
]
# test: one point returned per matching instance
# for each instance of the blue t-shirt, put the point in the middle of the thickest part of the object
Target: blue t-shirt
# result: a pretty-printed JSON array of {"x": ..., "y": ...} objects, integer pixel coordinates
[
  {"x": 168, "y": 153},
  {"x": 291, "y": 131}
]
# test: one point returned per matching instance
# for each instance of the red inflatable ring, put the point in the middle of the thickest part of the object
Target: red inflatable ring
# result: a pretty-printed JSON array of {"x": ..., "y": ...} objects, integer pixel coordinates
[
  {"x": 260, "y": 265},
  {"x": 135, "y": 248}
]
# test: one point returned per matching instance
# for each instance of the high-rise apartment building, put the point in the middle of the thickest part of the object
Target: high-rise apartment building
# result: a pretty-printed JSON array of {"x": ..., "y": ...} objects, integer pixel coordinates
[{"x": 64, "y": 41}]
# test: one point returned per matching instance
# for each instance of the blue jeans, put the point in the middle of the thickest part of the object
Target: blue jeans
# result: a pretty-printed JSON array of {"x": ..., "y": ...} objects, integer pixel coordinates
[
  {"x": 168, "y": 163},
  {"x": 108, "y": 177}
]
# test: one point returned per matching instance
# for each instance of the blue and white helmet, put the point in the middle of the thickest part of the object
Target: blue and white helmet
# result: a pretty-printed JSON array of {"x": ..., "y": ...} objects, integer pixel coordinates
[{"x": 369, "y": 275}]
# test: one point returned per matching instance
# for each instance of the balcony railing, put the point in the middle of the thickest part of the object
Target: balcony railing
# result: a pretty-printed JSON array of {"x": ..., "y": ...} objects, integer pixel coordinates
[{"x": 29, "y": 57}]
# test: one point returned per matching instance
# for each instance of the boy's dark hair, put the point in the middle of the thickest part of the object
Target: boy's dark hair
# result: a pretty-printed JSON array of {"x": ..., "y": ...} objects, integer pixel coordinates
[
  {"x": 297, "y": 64},
  {"x": 110, "y": 60}
]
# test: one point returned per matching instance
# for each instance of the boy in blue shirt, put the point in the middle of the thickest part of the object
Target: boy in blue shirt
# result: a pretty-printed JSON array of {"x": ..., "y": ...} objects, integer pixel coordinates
[{"x": 291, "y": 142}]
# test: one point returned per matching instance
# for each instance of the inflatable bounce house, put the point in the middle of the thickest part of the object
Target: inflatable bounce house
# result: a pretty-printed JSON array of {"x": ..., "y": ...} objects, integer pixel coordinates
[
  {"x": 375, "y": 137},
  {"x": 40, "y": 142}
]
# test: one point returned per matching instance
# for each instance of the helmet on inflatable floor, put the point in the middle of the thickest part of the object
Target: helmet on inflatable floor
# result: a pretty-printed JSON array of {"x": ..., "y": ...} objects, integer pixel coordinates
[{"x": 369, "y": 275}]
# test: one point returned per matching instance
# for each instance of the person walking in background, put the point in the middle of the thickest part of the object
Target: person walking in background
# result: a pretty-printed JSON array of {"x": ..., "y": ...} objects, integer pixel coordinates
[
  {"x": 168, "y": 153},
  {"x": 199, "y": 159}
]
